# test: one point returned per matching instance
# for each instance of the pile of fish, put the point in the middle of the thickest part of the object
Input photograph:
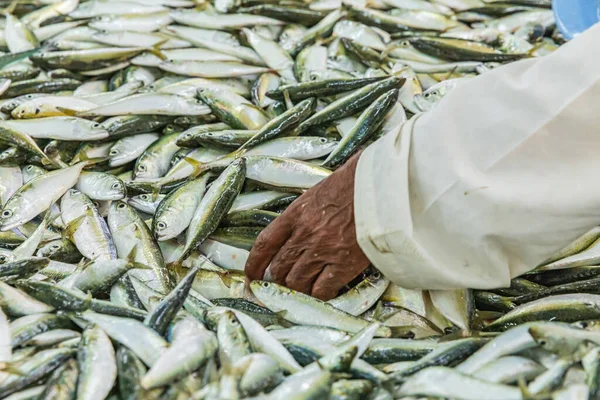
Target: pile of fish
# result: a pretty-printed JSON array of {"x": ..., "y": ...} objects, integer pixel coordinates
[{"x": 144, "y": 145}]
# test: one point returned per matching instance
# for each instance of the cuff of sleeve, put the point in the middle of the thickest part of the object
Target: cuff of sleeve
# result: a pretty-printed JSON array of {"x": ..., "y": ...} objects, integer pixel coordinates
[{"x": 381, "y": 201}]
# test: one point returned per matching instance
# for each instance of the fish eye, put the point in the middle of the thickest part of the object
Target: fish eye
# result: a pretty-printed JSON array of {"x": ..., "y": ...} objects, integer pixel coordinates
[
  {"x": 323, "y": 140},
  {"x": 6, "y": 213},
  {"x": 376, "y": 275},
  {"x": 113, "y": 153},
  {"x": 95, "y": 125},
  {"x": 583, "y": 324},
  {"x": 405, "y": 43},
  {"x": 2, "y": 258},
  {"x": 29, "y": 167},
  {"x": 426, "y": 95},
  {"x": 542, "y": 342},
  {"x": 116, "y": 185},
  {"x": 209, "y": 133},
  {"x": 144, "y": 197},
  {"x": 54, "y": 247},
  {"x": 29, "y": 96},
  {"x": 142, "y": 167},
  {"x": 265, "y": 284},
  {"x": 161, "y": 225},
  {"x": 96, "y": 204},
  {"x": 120, "y": 206}
]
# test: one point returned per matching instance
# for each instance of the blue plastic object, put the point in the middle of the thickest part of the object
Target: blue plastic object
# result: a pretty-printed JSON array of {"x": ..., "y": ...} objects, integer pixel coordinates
[{"x": 575, "y": 16}]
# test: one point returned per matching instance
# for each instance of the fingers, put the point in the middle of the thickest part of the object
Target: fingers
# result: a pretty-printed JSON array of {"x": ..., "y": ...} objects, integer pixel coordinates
[
  {"x": 304, "y": 272},
  {"x": 267, "y": 245},
  {"x": 285, "y": 259},
  {"x": 332, "y": 279}
]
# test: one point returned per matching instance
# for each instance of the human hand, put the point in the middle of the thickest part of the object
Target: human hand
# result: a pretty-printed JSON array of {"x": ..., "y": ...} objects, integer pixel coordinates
[{"x": 312, "y": 246}]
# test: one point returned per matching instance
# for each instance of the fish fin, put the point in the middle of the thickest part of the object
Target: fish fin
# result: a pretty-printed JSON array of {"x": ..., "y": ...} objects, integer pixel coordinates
[
  {"x": 136, "y": 231},
  {"x": 199, "y": 166},
  {"x": 84, "y": 263},
  {"x": 67, "y": 111},
  {"x": 53, "y": 218},
  {"x": 450, "y": 73},
  {"x": 137, "y": 265},
  {"x": 88, "y": 300},
  {"x": 282, "y": 314},
  {"x": 11, "y": 7},
  {"x": 287, "y": 99},
  {"x": 155, "y": 191},
  {"x": 73, "y": 225},
  {"x": 377, "y": 314},
  {"x": 154, "y": 299},
  {"x": 132, "y": 254},
  {"x": 155, "y": 49},
  {"x": 523, "y": 388},
  {"x": 95, "y": 160},
  {"x": 56, "y": 163},
  {"x": 131, "y": 259},
  {"x": 405, "y": 332},
  {"x": 321, "y": 367},
  {"x": 48, "y": 218},
  {"x": 226, "y": 279},
  {"x": 10, "y": 369},
  {"x": 386, "y": 68},
  {"x": 83, "y": 156}
]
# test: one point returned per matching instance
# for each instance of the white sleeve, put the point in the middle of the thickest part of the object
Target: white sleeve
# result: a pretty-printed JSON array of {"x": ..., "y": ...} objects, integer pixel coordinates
[{"x": 500, "y": 175}]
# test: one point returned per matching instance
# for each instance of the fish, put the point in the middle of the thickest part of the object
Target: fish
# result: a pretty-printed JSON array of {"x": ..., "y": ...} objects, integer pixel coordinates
[
  {"x": 144, "y": 146},
  {"x": 97, "y": 364}
]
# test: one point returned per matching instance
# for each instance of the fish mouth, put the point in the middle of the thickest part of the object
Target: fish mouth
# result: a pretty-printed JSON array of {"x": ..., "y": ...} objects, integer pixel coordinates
[{"x": 7, "y": 227}]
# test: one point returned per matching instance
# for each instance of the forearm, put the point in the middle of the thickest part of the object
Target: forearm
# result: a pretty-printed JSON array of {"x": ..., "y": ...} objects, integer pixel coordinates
[{"x": 490, "y": 183}]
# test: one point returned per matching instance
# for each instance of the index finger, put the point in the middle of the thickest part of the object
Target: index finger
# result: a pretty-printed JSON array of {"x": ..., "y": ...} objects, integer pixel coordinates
[{"x": 268, "y": 243}]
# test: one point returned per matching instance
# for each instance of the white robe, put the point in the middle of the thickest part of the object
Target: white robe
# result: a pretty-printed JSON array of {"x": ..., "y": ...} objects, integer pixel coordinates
[{"x": 501, "y": 174}]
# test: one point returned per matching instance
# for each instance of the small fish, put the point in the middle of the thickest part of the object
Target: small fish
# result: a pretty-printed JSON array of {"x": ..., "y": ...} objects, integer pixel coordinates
[
  {"x": 97, "y": 364},
  {"x": 41, "y": 191}
]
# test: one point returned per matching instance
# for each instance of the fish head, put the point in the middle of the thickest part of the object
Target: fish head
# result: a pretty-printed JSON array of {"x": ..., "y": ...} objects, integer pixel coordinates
[
  {"x": 557, "y": 339},
  {"x": 160, "y": 229},
  {"x": 264, "y": 288},
  {"x": 323, "y": 144},
  {"x": 144, "y": 202},
  {"x": 10, "y": 218},
  {"x": 90, "y": 129},
  {"x": 110, "y": 188},
  {"x": 54, "y": 248},
  {"x": 121, "y": 216},
  {"x": 145, "y": 169},
  {"x": 72, "y": 196},
  {"x": 26, "y": 110},
  {"x": 6, "y": 256}
]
